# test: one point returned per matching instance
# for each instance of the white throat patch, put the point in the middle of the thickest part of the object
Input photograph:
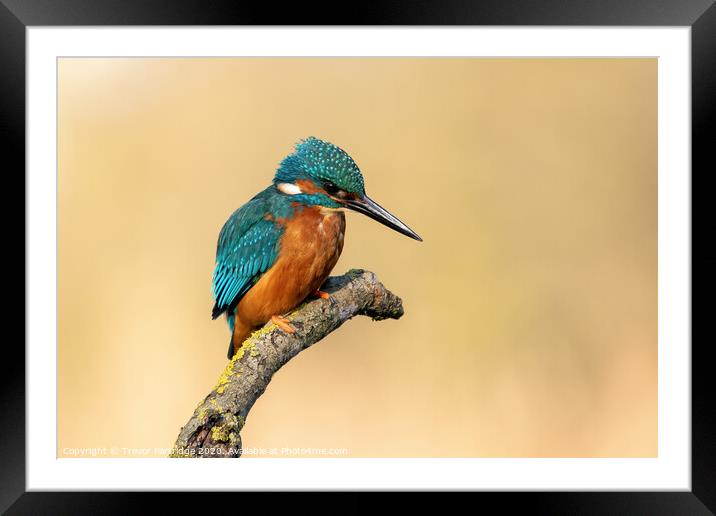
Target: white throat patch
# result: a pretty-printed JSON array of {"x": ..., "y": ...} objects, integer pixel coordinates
[{"x": 289, "y": 188}]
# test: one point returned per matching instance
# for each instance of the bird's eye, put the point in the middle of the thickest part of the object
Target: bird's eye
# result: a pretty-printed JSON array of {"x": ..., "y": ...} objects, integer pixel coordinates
[{"x": 330, "y": 187}]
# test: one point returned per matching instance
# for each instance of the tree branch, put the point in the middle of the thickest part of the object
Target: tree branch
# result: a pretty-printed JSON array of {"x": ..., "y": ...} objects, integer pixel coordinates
[{"x": 213, "y": 430}]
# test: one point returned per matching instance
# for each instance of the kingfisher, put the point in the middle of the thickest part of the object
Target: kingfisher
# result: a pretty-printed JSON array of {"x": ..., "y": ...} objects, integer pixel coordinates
[{"x": 278, "y": 249}]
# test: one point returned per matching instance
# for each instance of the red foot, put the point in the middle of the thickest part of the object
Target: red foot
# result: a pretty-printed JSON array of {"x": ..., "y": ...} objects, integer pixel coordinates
[{"x": 321, "y": 294}]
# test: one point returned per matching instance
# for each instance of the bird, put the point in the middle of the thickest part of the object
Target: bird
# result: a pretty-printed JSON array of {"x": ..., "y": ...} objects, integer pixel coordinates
[{"x": 278, "y": 249}]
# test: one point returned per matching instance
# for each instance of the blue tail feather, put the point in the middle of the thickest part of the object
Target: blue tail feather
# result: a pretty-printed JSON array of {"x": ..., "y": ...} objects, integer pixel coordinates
[{"x": 231, "y": 320}]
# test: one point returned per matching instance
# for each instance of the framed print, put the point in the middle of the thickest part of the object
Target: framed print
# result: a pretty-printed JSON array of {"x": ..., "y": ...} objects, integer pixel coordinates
[{"x": 450, "y": 248}]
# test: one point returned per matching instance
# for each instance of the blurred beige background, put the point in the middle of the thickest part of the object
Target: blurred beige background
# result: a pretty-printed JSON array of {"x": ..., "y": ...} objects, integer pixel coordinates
[{"x": 531, "y": 307}]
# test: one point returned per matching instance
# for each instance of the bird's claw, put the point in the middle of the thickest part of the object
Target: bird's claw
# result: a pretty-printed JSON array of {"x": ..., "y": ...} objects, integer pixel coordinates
[
  {"x": 322, "y": 294},
  {"x": 283, "y": 323}
]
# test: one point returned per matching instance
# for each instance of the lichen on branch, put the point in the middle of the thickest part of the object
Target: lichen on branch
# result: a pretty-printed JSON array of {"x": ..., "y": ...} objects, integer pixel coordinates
[{"x": 214, "y": 428}]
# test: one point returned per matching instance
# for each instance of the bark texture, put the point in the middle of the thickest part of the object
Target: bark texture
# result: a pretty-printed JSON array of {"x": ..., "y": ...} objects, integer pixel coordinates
[{"x": 214, "y": 428}]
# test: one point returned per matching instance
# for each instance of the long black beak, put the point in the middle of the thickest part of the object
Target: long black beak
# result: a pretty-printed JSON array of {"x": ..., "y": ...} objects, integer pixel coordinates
[{"x": 375, "y": 211}]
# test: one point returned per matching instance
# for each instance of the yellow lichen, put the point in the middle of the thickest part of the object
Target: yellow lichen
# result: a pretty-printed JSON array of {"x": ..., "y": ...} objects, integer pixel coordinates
[
  {"x": 223, "y": 380},
  {"x": 228, "y": 371},
  {"x": 219, "y": 433},
  {"x": 249, "y": 345},
  {"x": 228, "y": 431},
  {"x": 264, "y": 330}
]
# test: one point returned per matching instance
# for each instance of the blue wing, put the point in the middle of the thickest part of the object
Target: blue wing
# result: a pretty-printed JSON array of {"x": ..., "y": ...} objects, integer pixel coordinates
[{"x": 247, "y": 247}]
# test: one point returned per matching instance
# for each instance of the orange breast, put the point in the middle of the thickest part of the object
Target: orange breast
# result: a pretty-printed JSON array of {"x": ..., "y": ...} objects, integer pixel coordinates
[{"x": 309, "y": 249}]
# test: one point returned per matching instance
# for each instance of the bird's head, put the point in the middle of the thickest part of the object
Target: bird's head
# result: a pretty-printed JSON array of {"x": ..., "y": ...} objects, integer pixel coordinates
[{"x": 319, "y": 173}]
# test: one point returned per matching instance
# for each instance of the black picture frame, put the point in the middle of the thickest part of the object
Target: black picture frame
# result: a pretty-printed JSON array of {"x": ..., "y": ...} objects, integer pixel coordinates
[{"x": 700, "y": 15}]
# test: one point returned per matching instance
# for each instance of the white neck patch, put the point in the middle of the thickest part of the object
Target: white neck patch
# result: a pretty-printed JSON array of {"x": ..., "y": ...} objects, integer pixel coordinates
[{"x": 289, "y": 188}]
